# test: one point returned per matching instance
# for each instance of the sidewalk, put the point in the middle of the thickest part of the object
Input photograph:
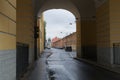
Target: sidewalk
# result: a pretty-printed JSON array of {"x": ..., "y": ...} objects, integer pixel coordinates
[
  {"x": 38, "y": 71},
  {"x": 114, "y": 68}
]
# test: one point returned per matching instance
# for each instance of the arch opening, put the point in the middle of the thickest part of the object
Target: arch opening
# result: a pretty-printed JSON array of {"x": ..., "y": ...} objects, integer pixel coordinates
[
  {"x": 61, "y": 4},
  {"x": 61, "y": 24},
  {"x": 85, "y": 23}
]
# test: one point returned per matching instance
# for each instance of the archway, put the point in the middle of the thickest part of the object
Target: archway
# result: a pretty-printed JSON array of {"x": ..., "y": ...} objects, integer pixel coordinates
[
  {"x": 103, "y": 13},
  {"x": 76, "y": 22},
  {"x": 86, "y": 24},
  {"x": 61, "y": 24}
]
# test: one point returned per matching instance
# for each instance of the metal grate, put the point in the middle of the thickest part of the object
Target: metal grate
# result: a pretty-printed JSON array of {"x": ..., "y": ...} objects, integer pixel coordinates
[
  {"x": 116, "y": 52},
  {"x": 22, "y": 59}
]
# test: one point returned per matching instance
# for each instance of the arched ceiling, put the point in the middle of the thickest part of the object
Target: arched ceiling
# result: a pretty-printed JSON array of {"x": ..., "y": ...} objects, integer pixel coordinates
[
  {"x": 82, "y": 8},
  {"x": 60, "y": 4},
  {"x": 99, "y": 2}
]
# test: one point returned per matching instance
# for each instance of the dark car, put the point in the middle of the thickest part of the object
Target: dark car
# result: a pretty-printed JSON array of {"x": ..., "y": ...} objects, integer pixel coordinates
[{"x": 68, "y": 48}]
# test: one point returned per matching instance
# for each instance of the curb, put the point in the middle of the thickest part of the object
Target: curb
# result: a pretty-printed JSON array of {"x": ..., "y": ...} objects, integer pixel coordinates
[
  {"x": 111, "y": 69},
  {"x": 28, "y": 72}
]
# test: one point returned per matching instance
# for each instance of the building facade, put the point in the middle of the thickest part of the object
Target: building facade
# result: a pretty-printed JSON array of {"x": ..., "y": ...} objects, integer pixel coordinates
[
  {"x": 67, "y": 41},
  {"x": 41, "y": 39},
  {"x": 58, "y": 44},
  {"x": 97, "y": 23},
  {"x": 53, "y": 41},
  {"x": 70, "y": 40}
]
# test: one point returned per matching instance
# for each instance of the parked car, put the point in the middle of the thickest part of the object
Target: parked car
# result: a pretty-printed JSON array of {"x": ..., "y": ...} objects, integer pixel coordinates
[
  {"x": 48, "y": 47},
  {"x": 68, "y": 48}
]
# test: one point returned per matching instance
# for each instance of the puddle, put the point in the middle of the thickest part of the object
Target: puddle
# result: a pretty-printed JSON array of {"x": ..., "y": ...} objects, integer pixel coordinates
[
  {"x": 58, "y": 72},
  {"x": 51, "y": 74}
]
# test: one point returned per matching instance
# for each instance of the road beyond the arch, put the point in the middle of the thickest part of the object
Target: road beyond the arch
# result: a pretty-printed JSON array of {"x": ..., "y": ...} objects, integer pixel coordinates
[{"x": 56, "y": 64}]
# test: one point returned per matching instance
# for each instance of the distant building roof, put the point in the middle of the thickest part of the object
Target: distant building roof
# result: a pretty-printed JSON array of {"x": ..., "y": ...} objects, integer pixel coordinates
[
  {"x": 55, "y": 39},
  {"x": 69, "y": 35}
]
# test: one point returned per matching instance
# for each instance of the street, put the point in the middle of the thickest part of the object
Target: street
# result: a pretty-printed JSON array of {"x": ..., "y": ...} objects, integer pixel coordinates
[{"x": 56, "y": 64}]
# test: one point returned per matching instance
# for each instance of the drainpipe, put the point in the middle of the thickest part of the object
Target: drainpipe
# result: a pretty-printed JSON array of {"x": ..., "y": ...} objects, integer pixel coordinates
[{"x": 36, "y": 35}]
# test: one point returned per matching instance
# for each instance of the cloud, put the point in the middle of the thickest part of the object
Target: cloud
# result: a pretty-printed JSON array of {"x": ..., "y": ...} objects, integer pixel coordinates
[{"x": 58, "y": 21}]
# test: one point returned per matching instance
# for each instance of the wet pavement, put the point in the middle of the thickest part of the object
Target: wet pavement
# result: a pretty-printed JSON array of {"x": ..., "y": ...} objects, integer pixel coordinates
[{"x": 57, "y": 64}]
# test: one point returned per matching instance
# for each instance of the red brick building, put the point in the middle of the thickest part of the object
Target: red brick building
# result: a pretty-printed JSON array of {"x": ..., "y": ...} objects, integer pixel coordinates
[
  {"x": 69, "y": 40},
  {"x": 54, "y": 40},
  {"x": 59, "y": 43}
]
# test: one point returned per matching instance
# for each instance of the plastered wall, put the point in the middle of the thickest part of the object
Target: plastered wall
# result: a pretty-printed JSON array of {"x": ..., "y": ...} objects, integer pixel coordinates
[
  {"x": 114, "y": 29},
  {"x": 114, "y": 21},
  {"x": 25, "y": 25},
  {"x": 88, "y": 28},
  {"x": 88, "y": 36},
  {"x": 103, "y": 34},
  {"x": 41, "y": 36},
  {"x": 7, "y": 39},
  {"x": 78, "y": 36}
]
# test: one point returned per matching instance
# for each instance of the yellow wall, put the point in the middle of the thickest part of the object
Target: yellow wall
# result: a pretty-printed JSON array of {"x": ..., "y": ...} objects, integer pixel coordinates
[
  {"x": 108, "y": 30},
  {"x": 8, "y": 39},
  {"x": 38, "y": 39},
  {"x": 88, "y": 38},
  {"x": 25, "y": 22},
  {"x": 103, "y": 34},
  {"x": 103, "y": 25},
  {"x": 7, "y": 42},
  {"x": 41, "y": 36},
  {"x": 114, "y": 21},
  {"x": 7, "y": 24},
  {"x": 25, "y": 25},
  {"x": 88, "y": 28},
  {"x": 40, "y": 24},
  {"x": 78, "y": 36}
]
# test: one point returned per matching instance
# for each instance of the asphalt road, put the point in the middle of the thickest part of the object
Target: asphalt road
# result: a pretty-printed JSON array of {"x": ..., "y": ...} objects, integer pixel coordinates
[{"x": 61, "y": 66}]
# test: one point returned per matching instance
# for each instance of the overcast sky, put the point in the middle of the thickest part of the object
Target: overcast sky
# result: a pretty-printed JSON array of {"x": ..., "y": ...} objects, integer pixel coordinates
[{"x": 59, "y": 23}]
